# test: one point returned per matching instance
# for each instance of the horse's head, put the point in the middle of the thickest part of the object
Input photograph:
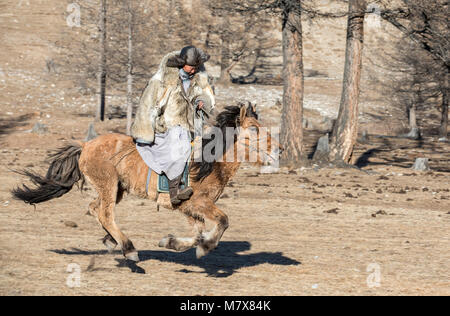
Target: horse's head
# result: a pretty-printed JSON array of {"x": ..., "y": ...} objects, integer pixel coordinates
[
  {"x": 255, "y": 141},
  {"x": 239, "y": 136}
]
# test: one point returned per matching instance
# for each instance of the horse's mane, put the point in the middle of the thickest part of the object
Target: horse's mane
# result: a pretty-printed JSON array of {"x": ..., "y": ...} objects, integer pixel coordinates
[{"x": 230, "y": 117}]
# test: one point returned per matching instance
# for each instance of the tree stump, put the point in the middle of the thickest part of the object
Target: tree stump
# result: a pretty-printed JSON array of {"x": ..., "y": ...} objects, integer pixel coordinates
[
  {"x": 421, "y": 164},
  {"x": 91, "y": 133},
  {"x": 414, "y": 134},
  {"x": 322, "y": 150},
  {"x": 39, "y": 128}
]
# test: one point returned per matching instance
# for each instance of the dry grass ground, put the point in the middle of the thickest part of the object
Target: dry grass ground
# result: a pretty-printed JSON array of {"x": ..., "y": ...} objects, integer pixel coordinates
[
  {"x": 303, "y": 232},
  {"x": 299, "y": 232}
]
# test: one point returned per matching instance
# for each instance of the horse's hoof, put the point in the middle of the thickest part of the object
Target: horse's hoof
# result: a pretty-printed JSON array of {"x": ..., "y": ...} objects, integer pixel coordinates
[{"x": 132, "y": 256}]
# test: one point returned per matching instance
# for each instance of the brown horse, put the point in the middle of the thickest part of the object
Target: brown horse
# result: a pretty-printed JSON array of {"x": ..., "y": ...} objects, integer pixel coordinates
[{"x": 113, "y": 166}]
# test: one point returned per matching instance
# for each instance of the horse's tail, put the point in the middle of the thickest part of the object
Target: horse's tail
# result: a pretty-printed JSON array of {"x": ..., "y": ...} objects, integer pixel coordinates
[{"x": 62, "y": 174}]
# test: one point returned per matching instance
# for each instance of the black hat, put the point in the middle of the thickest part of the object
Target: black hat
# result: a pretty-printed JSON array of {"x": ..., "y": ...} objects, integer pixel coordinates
[{"x": 189, "y": 55}]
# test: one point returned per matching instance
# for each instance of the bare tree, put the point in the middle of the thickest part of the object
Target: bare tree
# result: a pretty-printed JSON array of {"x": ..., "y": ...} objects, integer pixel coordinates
[
  {"x": 237, "y": 38},
  {"x": 130, "y": 68},
  {"x": 289, "y": 12},
  {"x": 345, "y": 131},
  {"x": 425, "y": 23},
  {"x": 102, "y": 63},
  {"x": 292, "y": 115},
  {"x": 413, "y": 88},
  {"x": 443, "y": 131},
  {"x": 117, "y": 47}
]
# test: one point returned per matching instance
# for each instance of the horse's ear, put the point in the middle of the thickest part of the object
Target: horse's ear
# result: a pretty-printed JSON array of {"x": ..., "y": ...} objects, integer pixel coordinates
[
  {"x": 243, "y": 114},
  {"x": 251, "y": 110},
  {"x": 253, "y": 107}
]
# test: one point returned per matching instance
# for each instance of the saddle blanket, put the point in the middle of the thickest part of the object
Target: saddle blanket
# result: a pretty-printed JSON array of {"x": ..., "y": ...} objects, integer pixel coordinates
[{"x": 163, "y": 181}]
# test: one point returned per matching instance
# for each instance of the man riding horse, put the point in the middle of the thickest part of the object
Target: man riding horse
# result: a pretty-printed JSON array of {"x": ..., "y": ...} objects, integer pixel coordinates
[{"x": 170, "y": 114}]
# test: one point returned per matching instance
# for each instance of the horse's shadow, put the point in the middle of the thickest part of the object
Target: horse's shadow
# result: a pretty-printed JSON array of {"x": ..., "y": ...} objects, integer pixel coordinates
[{"x": 223, "y": 262}]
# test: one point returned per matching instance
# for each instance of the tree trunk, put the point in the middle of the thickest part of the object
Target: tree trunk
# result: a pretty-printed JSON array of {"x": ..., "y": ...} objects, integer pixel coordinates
[
  {"x": 345, "y": 131},
  {"x": 291, "y": 136},
  {"x": 224, "y": 57},
  {"x": 224, "y": 78},
  {"x": 208, "y": 38},
  {"x": 102, "y": 64},
  {"x": 130, "y": 71},
  {"x": 414, "y": 131},
  {"x": 412, "y": 117},
  {"x": 443, "y": 131}
]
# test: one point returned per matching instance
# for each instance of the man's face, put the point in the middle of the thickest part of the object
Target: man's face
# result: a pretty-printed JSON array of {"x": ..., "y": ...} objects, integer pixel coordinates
[{"x": 189, "y": 69}]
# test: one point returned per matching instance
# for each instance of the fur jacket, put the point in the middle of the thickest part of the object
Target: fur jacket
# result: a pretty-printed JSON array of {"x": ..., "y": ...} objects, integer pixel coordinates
[{"x": 164, "y": 104}]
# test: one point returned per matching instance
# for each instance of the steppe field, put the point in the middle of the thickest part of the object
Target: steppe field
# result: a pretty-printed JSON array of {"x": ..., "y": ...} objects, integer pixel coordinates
[{"x": 379, "y": 229}]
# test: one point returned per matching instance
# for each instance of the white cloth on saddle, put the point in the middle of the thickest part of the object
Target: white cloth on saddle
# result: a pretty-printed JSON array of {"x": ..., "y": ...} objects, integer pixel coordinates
[{"x": 169, "y": 153}]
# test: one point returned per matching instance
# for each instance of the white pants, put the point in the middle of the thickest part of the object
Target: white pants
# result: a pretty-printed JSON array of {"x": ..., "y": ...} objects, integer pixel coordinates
[{"x": 170, "y": 152}]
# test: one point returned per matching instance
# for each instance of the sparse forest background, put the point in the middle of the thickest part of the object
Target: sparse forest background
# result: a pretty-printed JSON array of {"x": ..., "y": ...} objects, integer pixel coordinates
[
  {"x": 364, "y": 58},
  {"x": 248, "y": 39},
  {"x": 357, "y": 89}
]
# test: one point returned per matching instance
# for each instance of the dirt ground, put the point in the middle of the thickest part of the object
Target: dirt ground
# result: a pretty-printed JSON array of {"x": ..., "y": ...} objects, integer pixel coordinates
[{"x": 381, "y": 230}]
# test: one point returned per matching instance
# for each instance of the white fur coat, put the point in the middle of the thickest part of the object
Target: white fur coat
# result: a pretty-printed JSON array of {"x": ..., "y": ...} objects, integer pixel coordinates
[{"x": 164, "y": 104}]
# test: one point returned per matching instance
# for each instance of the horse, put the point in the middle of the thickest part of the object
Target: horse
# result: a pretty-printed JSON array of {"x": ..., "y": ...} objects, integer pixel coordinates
[{"x": 113, "y": 166}]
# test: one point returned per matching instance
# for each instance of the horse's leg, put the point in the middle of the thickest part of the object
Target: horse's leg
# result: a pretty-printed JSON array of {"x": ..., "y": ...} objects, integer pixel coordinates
[
  {"x": 198, "y": 226},
  {"x": 183, "y": 244},
  {"x": 104, "y": 178},
  {"x": 205, "y": 242},
  {"x": 108, "y": 240},
  {"x": 107, "y": 219},
  {"x": 210, "y": 240}
]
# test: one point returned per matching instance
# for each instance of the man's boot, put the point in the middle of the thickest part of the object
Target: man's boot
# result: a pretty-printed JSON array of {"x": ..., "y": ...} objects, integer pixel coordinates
[{"x": 176, "y": 195}]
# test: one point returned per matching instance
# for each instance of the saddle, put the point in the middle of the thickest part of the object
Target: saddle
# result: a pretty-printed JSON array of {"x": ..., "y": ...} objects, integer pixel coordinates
[{"x": 163, "y": 181}]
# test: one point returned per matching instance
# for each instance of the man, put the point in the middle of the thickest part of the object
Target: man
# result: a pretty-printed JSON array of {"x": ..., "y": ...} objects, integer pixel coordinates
[{"x": 169, "y": 114}]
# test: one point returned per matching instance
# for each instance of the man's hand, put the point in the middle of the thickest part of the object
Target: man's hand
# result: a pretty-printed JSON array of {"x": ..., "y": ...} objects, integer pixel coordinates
[{"x": 200, "y": 105}]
